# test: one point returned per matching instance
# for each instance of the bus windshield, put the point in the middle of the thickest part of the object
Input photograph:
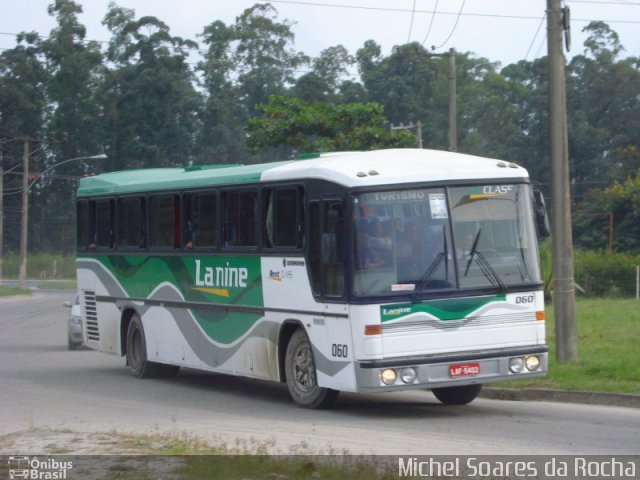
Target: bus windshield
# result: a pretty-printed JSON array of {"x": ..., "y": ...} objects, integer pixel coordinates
[{"x": 430, "y": 239}]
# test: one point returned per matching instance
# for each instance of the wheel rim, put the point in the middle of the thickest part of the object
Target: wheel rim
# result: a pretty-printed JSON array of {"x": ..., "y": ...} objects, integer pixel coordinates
[
  {"x": 136, "y": 346},
  {"x": 303, "y": 369}
]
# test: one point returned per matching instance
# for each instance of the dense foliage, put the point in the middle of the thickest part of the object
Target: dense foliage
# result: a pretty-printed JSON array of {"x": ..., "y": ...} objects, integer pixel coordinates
[
  {"x": 143, "y": 100},
  {"x": 606, "y": 274},
  {"x": 323, "y": 126}
]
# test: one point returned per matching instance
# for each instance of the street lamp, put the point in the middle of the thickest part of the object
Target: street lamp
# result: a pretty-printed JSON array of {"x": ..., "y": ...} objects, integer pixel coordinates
[
  {"x": 26, "y": 186},
  {"x": 100, "y": 156}
]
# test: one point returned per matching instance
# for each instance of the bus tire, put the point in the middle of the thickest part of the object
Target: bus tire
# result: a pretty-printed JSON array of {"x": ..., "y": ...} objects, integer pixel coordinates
[
  {"x": 137, "y": 360},
  {"x": 457, "y": 395},
  {"x": 300, "y": 374}
]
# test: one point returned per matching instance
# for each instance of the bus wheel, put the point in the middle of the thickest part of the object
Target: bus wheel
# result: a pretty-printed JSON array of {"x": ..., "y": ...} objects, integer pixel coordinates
[
  {"x": 137, "y": 350},
  {"x": 457, "y": 395},
  {"x": 300, "y": 373}
]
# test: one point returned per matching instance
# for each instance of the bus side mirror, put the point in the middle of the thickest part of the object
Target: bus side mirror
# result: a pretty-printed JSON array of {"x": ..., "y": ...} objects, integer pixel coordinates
[{"x": 540, "y": 212}]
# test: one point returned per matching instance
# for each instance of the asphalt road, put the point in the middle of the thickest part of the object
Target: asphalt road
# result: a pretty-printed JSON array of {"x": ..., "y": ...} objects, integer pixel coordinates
[{"x": 45, "y": 386}]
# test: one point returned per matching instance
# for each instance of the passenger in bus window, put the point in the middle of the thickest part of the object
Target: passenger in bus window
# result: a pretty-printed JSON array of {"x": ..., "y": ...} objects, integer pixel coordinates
[
  {"x": 379, "y": 238},
  {"x": 408, "y": 245},
  {"x": 409, "y": 252},
  {"x": 189, "y": 235},
  {"x": 465, "y": 246},
  {"x": 368, "y": 255},
  {"x": 93, "y": 243},
  {"x": 380, "y": 241}
]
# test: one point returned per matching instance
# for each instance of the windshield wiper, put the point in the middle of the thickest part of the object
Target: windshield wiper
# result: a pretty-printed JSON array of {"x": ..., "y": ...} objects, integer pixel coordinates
[
  {"x": 443, "y": 255},
  {"x": 485, "y": 267},
  {"x": 472, "y": 252},
  {"x": 489, "y": 272}
]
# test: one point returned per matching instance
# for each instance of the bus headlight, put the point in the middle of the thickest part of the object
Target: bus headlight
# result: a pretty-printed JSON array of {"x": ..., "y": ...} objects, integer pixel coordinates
[
  {"x": 388, "y": 376},
  {"x": 516, "y": 365},
  {"x": 532, "y": 363},
  {"x": 408, "y": 375}
]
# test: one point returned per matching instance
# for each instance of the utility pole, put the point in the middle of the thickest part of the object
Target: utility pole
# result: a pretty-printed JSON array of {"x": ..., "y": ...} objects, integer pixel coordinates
[
  {"x": 26, "y": 186},
  {"x": 410, "y": 126},
  {"x": 24, "y": 218},
  {"x": 564, "y": 300},
  {"x": 1, "y": 214},
  {"x": 453, "y": 114},
  {"x": 453, "y": 110}
]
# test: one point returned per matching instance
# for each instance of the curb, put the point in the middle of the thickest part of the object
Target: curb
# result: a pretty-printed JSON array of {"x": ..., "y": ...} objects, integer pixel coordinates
[{"x": 563, "y": 396}]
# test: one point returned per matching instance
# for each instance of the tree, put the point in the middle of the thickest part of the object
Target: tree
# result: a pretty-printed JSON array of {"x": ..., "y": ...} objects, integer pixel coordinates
[
  {"x": 22, "y": 80},
  {"x": 265, "y": 60},
  {"x": 22, "y": 114},
  {"x": 603, "y": 43},
  {"x": 150, "y": 103},
  {"x": 604, "y": 111},
  {"x": 322, "y": 127},
  {"x": 509, "y": 117},
  {"x": 622, "y": 201},
  {"x": 73, "y": 124},
  {"x": 221, "y": 138},
  {"x": 403, "y": 82},
  {"x": 324, "y": 82},
  {"x": 245, "y": 64},
  {"x": 75, "y": 68}
]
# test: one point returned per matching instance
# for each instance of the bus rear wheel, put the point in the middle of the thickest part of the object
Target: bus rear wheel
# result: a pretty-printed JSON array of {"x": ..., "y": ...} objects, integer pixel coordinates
[
  {"x": 300, "y": 374},
  {"x": 457, "y": 395},
  {"x": 137, "y": 360}
]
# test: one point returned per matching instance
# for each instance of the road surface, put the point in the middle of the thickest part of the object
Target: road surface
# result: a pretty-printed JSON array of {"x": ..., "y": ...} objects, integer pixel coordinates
[{"x": 45, "y": 386}]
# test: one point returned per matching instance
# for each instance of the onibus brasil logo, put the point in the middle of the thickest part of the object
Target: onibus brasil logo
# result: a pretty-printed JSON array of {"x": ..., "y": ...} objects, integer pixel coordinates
[{"x": 38, "y": 469}]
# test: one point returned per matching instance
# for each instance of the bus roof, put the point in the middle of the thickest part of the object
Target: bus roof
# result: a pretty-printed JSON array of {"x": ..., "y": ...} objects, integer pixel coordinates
[{"x": 350, "y": 169}]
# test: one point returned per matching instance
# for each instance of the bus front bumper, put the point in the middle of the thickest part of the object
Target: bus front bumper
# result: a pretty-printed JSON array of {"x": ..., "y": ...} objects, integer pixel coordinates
[{"x": 448, "y": 370}]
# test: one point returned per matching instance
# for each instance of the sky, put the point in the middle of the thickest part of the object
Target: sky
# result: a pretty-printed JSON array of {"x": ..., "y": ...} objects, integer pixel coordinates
[{"x": 504, "y": 31}]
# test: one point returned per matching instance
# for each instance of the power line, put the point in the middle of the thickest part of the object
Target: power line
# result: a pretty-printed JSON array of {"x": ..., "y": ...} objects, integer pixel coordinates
[
  {"x": 455, "y": 25},
  {"x": 535, "y": 36},
  {"x": 466, "y": 14},
  {"x": 603, "y": 2},
  {"x": 413, "y": 13},
  {"x": 433, "y": 17}
]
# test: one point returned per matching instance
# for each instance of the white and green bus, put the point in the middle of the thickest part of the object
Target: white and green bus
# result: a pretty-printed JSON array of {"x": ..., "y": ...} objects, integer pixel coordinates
[{"x": 358, "y": 272}]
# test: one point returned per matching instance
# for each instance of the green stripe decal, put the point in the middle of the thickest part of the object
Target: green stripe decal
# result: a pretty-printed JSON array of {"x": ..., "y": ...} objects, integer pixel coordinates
[
  {"x": 221, "y": 280},
  {"x": 443, "y": 310}
]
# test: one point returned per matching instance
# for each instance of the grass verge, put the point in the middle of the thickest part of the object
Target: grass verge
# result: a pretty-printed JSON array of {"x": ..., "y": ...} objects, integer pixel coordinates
[
  {"x": 12, "y": 291},
  {"x": 186, "y": 457},
  {"x": 608, "y": 333},
  {"x": 58, "y": 285}
]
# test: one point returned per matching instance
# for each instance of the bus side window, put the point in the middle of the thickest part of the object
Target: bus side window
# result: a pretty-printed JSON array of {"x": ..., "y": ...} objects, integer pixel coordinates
[
  {"x": 284, "y": 218},
  {"x": 131, "y": 222},
  {"x": 200, "y": 220},
  {"x": 86, "y": 225},
  {"x": 326, "y": 253},
  {"x": 333, "y": 248},
  {"x": 163, "y": 214},
  {"x": 240, "y": 209},
  {"x": 104, "y": 224}
]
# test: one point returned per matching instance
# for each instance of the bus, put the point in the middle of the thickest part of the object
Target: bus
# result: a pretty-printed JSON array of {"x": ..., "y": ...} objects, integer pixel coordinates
[{"x": 376, "y": 271}]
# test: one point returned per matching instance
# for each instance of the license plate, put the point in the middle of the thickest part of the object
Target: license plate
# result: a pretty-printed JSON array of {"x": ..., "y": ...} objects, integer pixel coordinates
[{"x": 464, "y": 370}]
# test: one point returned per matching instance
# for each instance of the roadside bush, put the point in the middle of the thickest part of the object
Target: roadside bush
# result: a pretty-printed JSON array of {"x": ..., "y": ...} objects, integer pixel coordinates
[
  {"x": 597, "y": 273},
  {"x": 546, "y": 265},
  {"x": 606, "y": 274}
]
